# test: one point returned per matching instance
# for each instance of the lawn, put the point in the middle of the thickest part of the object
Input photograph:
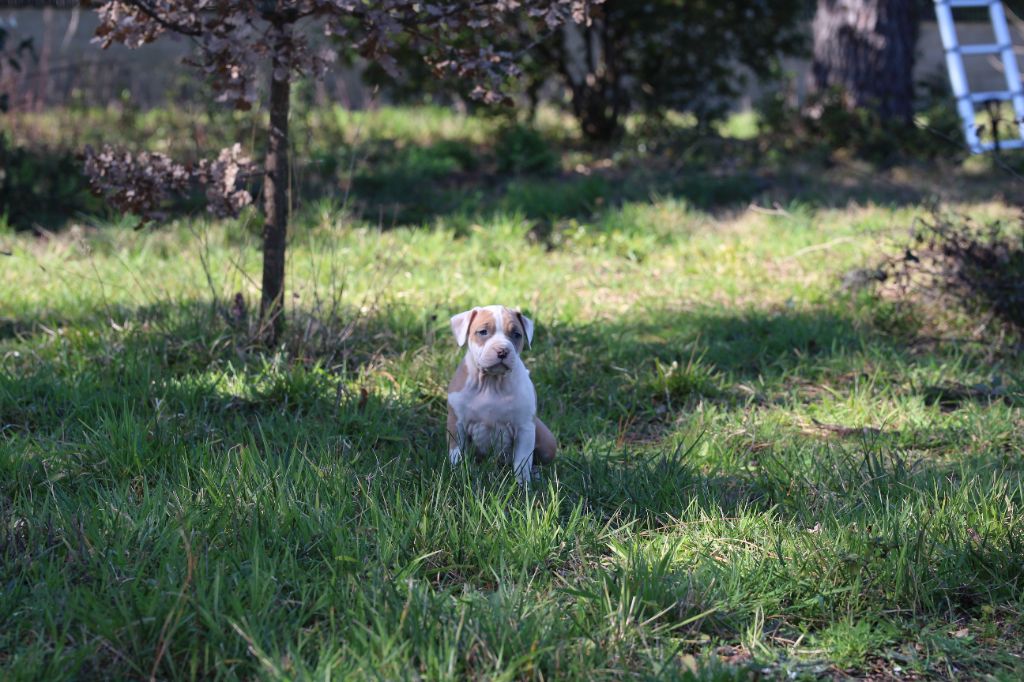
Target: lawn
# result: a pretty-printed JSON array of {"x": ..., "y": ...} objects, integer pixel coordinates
[{"x": 762, "y": 474}]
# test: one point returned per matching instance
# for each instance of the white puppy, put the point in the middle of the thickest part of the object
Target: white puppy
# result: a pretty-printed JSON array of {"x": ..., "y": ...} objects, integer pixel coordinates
[{"x": 492, "y": 405}]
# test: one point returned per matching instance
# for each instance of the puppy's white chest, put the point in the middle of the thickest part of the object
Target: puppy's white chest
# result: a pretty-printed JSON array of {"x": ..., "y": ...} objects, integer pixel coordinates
[
  {"x": 492, "y": 437},
  {"x": 495, "y": 408}
]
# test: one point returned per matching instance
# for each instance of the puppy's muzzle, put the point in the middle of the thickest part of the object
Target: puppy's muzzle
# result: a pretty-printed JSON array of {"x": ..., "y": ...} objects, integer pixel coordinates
[{"x": 497, "y": 368}]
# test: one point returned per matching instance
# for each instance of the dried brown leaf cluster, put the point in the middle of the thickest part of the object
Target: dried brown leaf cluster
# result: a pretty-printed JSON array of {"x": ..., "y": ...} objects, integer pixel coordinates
[
  {"x": 143, "y": 183},
  {"x": 222, "y": 179}
]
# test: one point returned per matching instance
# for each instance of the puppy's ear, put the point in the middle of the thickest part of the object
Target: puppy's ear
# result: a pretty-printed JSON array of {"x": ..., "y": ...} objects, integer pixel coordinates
[
  {"x": 527, "y": 327},
  {"x": 460, "y": 326}
]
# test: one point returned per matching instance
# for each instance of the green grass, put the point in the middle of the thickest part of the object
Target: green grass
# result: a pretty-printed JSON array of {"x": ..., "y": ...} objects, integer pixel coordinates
[{"x": 753, "y": 480}]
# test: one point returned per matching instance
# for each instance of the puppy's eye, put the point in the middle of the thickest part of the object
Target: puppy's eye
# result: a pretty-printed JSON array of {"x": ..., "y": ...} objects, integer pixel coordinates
[
  {"x": 481, "y": 332},
  {"x": 516, "y": 335}
]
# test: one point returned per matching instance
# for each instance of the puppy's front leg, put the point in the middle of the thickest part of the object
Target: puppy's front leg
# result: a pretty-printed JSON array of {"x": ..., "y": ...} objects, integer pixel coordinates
[
  {"x": 456, "y": 437},
  {"x": 462, "y": 436},
  {"x": 522, "y": 453}
]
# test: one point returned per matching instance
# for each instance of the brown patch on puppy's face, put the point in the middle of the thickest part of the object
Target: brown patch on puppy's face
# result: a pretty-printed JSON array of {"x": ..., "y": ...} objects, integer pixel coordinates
[
  {"x": 514, "y": 329},
  {"x": 483, "y": 327}
]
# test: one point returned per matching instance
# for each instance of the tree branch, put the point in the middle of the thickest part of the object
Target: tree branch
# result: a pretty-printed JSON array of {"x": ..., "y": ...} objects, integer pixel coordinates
[{"x": 154, "y": 14}]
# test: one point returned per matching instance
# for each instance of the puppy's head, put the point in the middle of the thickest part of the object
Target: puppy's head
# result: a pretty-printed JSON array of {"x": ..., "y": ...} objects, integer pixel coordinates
[{"x": 495, "y": 335}]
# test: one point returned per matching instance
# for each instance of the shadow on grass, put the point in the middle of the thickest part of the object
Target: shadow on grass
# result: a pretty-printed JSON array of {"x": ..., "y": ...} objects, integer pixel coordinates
[
  {"x": 188, "y": 363},
  {"x": 614, "y": 391}
]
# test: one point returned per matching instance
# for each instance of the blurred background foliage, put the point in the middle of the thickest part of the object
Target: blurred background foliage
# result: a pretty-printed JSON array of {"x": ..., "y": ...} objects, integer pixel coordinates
[{"x": 705, "y": 100}]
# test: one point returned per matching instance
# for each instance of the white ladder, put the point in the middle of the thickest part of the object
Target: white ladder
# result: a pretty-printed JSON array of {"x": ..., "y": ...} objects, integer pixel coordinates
[{"x": 965, "y": 99}]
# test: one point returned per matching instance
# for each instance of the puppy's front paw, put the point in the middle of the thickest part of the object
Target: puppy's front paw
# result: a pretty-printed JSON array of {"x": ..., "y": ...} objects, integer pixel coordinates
[{"x": 455, "y": 455}]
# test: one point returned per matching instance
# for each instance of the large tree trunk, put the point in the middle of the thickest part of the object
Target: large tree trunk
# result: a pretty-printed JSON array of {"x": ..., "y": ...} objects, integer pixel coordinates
[
  {"x": 589, "y": 65},
  {"x": 866, "y": 49},
  {"x": 275, "y": 199}
]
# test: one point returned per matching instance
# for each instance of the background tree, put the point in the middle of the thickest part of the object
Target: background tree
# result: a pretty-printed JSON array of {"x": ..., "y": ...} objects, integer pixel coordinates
[
  {"x": 653, "y": 55},
  {"x": 864, "y": 49},
  {"x": 235, "y": 38}
]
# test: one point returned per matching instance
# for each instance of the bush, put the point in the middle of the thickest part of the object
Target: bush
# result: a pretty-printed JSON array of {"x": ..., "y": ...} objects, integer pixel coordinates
[
  {"x": 520, "y": 149},
  {"x": 41, "y": 186},
  {"x": 954, "y": 262},
  {"x": 555, "y": 200}
]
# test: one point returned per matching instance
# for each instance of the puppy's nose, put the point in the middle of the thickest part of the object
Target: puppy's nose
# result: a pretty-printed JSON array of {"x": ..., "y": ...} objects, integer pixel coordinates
[{"x": 502, "y": 353}]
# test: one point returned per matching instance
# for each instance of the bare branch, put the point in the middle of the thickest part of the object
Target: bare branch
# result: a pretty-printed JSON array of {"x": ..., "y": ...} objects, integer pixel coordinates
[{"x": 165, "y": 23}]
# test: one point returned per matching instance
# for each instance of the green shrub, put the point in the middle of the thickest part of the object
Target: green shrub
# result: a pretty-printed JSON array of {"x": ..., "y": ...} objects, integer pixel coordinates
[
  {"x": 41, "y": 186},
  {"x": 520, "y": 149},
  {"x": 546, "y": 199}
]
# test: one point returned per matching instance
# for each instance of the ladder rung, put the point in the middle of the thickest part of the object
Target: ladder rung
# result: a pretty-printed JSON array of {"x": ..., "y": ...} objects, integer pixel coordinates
[
  {"x": 1015, "y": 143},
  {"x": 981, "y": 49},
  {"x": 1001, "y": 95},
  {"x": 965, "y": 3}
]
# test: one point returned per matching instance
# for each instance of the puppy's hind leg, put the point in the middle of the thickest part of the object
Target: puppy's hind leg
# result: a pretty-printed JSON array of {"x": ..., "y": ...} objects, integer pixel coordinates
[{"x": 546, "y": 447}]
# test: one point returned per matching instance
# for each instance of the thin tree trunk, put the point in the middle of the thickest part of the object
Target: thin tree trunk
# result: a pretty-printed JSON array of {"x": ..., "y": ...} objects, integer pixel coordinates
[
  {"x": 865, "y": 48},
  {"x": 275, "y": 201}
]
